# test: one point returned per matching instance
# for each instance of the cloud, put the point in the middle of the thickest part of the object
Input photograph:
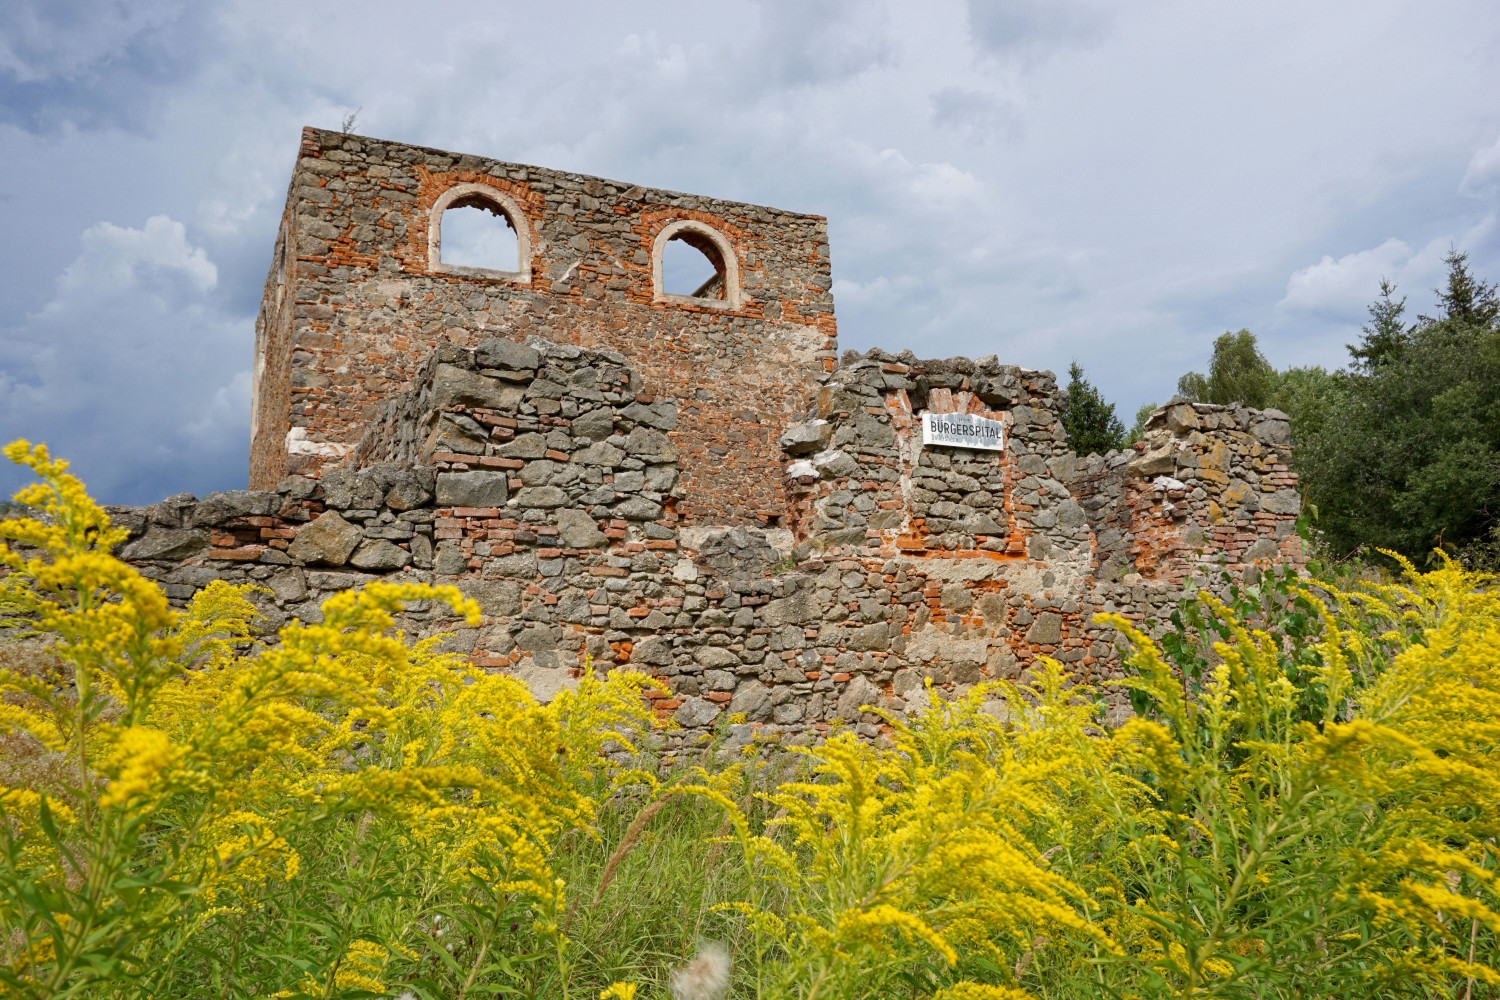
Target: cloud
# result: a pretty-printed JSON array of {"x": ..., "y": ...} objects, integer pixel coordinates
[
  {"x": 131, "y": 370},
  {"x": 1482, "y": 177},
  {"x": 86, "y": 64},
  {"x": 1034, "y": 28},
  {"x": 1042, "y": 179},
  {"x": 1341, "y": 288},
  {"x": 977, "y": 113}
]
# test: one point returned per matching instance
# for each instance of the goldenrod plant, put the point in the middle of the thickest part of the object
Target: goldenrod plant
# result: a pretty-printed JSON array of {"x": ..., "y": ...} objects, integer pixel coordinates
[
  {"x": 169, "y": 784},
  {"x": 1305, "y": 804}
]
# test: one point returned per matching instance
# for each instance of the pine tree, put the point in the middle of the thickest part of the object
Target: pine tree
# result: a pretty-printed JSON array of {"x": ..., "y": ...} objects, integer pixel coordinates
[
  {"x": 1385, "y": 336},
  {"x": 1090, "y": 422},
  {"x": 1467, "y": 300}
]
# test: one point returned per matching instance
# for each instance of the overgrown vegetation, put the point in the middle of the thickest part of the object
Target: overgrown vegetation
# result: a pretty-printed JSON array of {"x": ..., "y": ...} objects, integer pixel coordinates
[
  {"x": 1306, "y": 805},
  {"x": 1090, "y": 422},
  {"x": 1402, "y": 450}
]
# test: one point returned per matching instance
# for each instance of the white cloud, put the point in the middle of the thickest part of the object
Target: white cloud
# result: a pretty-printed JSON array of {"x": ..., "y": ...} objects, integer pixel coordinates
[
  {"x": 40, "y": 39},
  {"x": 1340, "y": 288},
  {"x": 1042, "y": 179},
  {"x": 1483, "y": 174},
  {"x": 115, "y": 258},
  {"x": 131, "y": 369}
]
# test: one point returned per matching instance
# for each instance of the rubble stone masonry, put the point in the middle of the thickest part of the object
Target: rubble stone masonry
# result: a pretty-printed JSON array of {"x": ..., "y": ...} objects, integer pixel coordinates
[
  {"x": 358, "y": 298},
  {"x": 688, "y": 486},
  {"x": 544, "y": 481}
]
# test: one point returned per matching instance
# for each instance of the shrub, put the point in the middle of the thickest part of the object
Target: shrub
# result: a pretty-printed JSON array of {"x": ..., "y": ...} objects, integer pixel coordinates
[
  {"x": 1306, "y": 804},
  {"x": 185, "y": 812}
]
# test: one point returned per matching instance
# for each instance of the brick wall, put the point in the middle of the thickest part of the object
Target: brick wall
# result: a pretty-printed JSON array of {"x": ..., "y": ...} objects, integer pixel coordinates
[
  {"x": 355, "y": 306},
  {"x": 543, "y": 479}
]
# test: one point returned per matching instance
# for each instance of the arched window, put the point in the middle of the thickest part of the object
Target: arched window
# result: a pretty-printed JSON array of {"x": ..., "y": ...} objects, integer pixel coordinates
[
  {"x": 478, "y": 230},
  {"x": 693, "y": 263}
]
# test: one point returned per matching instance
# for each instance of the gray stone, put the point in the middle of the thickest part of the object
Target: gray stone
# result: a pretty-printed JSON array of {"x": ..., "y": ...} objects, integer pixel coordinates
[
  {"x": 480, "y": 488},
  {"x": 752, "y": 699},
  {"x": 521, "y": 565},
  {"x": 1153, "y": 463},
  {"x": 595, "y": 425},
  {"x": 599, "y": 453},
  {"x": 637, "y": 509},
  {"x": 497, "y": 352},
  {"x": 857, "y": 692},
  {"x": 654, "y": 651},
  {"x": 793, "y": 610},
  {"x": 421, "y": 552},
  {"x": 1281, "y": 502},
  {"x": 1272, "y": 431},
  {"x": 458, "y": 434},
  {"x": 496, "y": 598},
  {"x": 379, "y": 554},
  {"x": 246, "y": 503},
  {"x": 166, "y": 543},
  {"x": 716, "y": 657},
  {"x": 407, "y": 495},
  {"x": 1262, "y": 549},
  {"x": 654, "y": 446},
  {"x": 1070, "y": 516},
  {"x": 542, "y": 497},
  {"x": 696, "y": 712},
  {"x": 288, "y": 584},
  {"x": 870, "y": 637},
  {"x": 805, "y": 438},
  {"x": 457, "y": 386},
  {"x": 449, "y": 559},
  {"x": 1046, "y": 630},
  {"x": 833, "y": 464},
  {"x": 344, "y": 489},
  {"x": 328, "y": 540},
  {"x": 662, "y": 415},
  {"x": 537, "y": 639},
  {"x": 525, "y": 446},
  {"x": 719, "y": 680},
  {"x": 576, "y": 529},
  {"x": 787, "y": 713}
]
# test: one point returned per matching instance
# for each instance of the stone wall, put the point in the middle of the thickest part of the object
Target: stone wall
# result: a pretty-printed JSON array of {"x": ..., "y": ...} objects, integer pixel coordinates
[
  {"x": 356, "y": 303},
  {"x": 543, "y": 480}
]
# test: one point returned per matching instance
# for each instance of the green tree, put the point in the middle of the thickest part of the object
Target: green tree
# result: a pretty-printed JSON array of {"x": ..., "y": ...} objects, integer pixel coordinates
[
  {"x": 1138, "y": 428},
  {"x": 1385, "y": 336},
  {"x": 1306, "y": 395},
  {"x": 1237, "y": 373},
  {"x": 1090, "y": 422},
  {"x": 1406, "y": 453}
]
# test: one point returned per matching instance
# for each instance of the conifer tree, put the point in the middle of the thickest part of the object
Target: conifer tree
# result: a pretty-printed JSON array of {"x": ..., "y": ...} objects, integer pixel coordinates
[
  {"x": 1090, "y": 422},
  {"x": 1385, "y": 336}
]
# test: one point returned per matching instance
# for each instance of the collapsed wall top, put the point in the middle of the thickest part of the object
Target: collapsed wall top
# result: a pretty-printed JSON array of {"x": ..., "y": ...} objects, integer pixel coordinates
[{"x": 359, "y": 295}]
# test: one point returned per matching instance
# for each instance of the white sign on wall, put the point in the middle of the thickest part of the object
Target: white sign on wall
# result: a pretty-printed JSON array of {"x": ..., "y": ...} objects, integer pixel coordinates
[{"x": 963, "y": 430}]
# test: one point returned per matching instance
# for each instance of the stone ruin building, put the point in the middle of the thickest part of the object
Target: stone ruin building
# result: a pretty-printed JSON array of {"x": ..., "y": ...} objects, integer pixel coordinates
[{"x": 695, "y": 486}]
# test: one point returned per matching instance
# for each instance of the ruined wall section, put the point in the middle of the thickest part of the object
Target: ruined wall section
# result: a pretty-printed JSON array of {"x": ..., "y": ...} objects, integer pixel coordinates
[
  {"x": 541, "y": 479},
  {"x": 270, "y": 416},
  {"x": 1209, "y": 490},
  {"x": 370, "y": 307}
]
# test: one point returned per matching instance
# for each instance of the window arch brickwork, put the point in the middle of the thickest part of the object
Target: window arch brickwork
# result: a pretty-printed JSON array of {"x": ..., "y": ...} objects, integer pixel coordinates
[
  {"x": 715, "y": 247},
  {"x": 489, "y": 197}
]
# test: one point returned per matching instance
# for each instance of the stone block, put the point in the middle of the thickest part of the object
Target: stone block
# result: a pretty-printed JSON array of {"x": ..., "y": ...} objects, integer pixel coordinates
[
  {"x": 165, "y": 543},
  {"x": 472, "y": 489},
  {"x": 379, "y": 554},
  {"x": 328, "y": 540},
  {"x": 577, "y": 529},
  {"x": 1046, "y": 630},
  {"x": 496, "y": 352}
]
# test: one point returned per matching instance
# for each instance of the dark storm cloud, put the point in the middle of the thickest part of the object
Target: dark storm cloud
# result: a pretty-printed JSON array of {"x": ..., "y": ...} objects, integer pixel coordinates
[{"x": 1041, "y": 180}]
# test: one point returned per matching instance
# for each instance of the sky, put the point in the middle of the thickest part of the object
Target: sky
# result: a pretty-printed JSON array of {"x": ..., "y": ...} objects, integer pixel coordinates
[{"x": 1114, "y": 183}]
